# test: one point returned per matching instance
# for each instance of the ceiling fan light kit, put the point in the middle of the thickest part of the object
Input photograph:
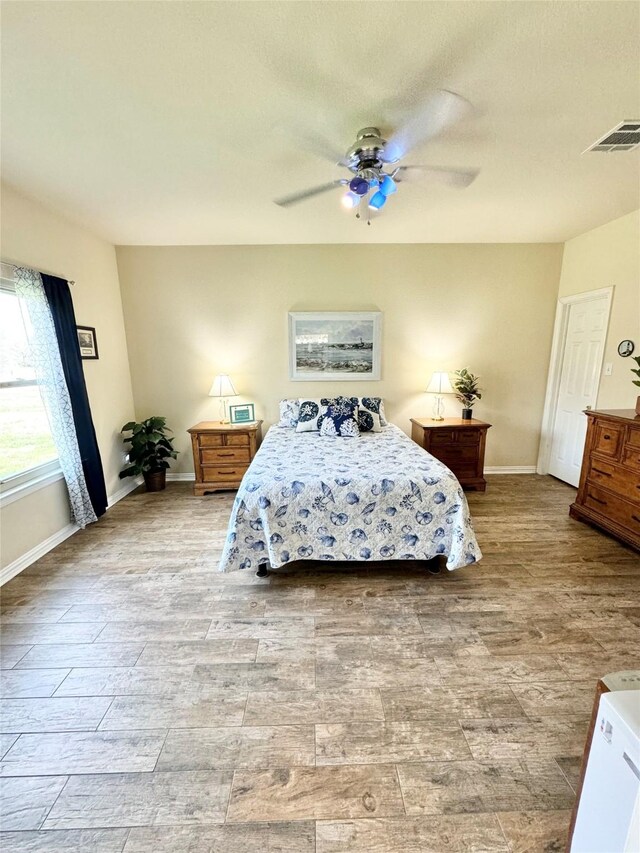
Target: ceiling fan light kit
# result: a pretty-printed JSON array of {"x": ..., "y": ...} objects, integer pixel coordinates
[{"x": 371, "y": 153}]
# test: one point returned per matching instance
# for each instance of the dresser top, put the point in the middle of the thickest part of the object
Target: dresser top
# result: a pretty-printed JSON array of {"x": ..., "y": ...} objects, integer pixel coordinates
[
  {"x": 449, "y": 423},
  {"x": 218, "y": 426},
  {"x": 616, "y": 414}
]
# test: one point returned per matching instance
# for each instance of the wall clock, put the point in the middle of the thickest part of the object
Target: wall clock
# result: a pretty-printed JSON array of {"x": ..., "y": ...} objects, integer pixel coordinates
[{"x": 625, "y": 348}]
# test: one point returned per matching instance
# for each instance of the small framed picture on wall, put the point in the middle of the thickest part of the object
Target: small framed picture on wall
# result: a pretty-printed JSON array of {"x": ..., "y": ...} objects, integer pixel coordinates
[
  {"x": 243, "y": 414},
  {"x": 87, "y": 342}
]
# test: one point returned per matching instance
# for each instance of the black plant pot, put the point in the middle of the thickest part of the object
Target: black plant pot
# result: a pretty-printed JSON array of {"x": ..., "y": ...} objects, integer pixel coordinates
[
  {"x": 467, "y": 414},
  {"x": 155, "y": 481}
]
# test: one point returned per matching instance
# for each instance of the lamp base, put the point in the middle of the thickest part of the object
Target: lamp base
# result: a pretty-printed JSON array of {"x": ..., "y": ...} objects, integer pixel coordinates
[{"x": 438, "y": 409}]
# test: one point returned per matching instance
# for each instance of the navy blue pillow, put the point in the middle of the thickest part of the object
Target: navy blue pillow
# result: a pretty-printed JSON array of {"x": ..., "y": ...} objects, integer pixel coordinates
[{"x": 340, "y": 419}]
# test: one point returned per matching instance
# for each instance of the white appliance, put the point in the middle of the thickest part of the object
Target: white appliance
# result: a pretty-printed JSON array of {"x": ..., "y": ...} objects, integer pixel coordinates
[{"x": 608, "y": 819}]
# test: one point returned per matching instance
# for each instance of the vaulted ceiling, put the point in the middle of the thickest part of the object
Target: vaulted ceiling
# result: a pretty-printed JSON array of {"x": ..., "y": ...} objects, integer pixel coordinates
[{"x": 179, "y": 122}]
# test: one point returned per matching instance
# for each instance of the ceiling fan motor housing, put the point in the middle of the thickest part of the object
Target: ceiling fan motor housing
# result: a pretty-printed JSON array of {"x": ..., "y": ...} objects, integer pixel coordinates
[{"x": 365, "y": 152}]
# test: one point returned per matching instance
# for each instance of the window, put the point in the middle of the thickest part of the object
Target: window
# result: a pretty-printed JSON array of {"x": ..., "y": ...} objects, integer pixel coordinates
[{"x": 25, "y": 438}]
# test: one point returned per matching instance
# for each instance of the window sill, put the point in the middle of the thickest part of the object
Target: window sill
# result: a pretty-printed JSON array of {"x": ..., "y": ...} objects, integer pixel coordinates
[{"x": 23, "y": 484}]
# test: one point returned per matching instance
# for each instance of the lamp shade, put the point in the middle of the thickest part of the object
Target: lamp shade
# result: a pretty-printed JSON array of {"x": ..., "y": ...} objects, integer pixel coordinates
[
  {"x": 222, "y": 387},
  {"x": 440, "y": 384}
]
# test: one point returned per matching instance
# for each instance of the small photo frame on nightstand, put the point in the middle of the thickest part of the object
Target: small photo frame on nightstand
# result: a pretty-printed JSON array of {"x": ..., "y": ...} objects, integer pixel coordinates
[{"x": 243, "y": 414}]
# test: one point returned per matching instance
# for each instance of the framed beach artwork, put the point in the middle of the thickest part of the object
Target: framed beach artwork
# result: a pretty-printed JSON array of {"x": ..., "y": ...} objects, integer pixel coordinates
[{"x": 334, "y": 345}]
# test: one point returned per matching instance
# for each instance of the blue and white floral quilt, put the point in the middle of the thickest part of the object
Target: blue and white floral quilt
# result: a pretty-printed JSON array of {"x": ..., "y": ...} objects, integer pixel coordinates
[{"x": 376, "y": 497}]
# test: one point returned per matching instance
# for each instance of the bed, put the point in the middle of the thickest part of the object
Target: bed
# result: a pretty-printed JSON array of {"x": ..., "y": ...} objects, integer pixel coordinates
[{"x": 376, "y": 497}]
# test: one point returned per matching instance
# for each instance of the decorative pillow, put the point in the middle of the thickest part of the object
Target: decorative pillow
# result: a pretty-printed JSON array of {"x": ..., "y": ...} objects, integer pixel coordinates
[
  {"x": 289, "y": 413},
  {"x": 310, "y": 413},
  {"x": 369, "y": 419},
  {"x": 340, "y": 419}
]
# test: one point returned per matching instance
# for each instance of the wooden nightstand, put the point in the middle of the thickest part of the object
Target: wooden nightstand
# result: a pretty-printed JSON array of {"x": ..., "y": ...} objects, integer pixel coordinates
[
  {"x": 222, "y": 453},
  {"x": 457, "y": 443}
]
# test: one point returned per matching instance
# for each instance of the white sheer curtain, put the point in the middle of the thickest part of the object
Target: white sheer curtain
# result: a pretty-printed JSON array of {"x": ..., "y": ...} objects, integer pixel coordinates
[{"x": 50, "y": 375}]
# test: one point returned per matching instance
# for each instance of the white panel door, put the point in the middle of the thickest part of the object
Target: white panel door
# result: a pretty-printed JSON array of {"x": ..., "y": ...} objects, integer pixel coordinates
[{"x": 579, "y": 378}]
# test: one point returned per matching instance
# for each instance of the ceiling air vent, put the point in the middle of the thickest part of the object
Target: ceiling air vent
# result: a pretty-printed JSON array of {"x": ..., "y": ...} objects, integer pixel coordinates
[{"x": 624, "y": 137}]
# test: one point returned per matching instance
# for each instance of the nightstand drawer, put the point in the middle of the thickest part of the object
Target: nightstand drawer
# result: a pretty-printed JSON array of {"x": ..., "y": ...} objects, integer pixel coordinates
[
  {"x": 225, "y": 456},
  {"x": 631, "y": 457},
  {"x": 442, "y": 437},
  {"x": 458, "y": 453},
  {"x": 223, "y": 473},
  {"x": 237, "y": 440},
  {"x": 613, "y": 477},
  {"x": 608, "y": 439},
  {"x": 468, "y": 436},
  {"x": 633, "y": 437},
  {"x": 209, "y": 440}
]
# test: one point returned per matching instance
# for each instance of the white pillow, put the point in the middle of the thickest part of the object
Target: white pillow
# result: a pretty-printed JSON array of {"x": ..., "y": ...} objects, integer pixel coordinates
[
  {"x": 312, "y": 410},
  {"x": 289, "y": 413}
]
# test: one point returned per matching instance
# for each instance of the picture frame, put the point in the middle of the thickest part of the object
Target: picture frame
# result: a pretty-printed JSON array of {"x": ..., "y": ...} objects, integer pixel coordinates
[
  {"x": 242, "y": 414},
  {"x": 335, "y": 346},
  {"x": 87, "y": 342}
]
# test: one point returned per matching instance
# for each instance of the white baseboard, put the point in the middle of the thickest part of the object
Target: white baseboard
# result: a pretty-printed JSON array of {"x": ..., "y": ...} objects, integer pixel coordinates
[
  {"x": 49, "y": 544},
  {"x": 34, "y": 554},
  {"x": 511, "y": 469},
  {"x": 124, "y": 491},
  {"x": 180, "y": 478}
]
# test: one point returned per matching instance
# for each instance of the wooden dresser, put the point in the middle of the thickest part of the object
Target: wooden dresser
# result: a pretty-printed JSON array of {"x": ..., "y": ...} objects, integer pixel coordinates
[
  {"x": 609, "y": 491},
  {"x": 222, "y": 453},
  {"x": 458, "y": 443}
]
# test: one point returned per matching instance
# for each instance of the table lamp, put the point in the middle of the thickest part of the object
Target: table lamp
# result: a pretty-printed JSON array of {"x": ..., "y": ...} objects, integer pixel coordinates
[
  {"x": 439, "y": 385},
  {"x": 223, "y": 388}
]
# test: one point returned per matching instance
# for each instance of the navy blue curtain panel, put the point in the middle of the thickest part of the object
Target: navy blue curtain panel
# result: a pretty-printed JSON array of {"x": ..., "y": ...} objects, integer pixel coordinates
[{"x": 59, "y": 298}]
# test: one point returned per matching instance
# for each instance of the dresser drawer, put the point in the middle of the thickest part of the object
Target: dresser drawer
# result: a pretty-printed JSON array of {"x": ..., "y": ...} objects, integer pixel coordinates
[
  {"x": 457, "y": 453},
  {"x": 225, "y": 456},
  {"x": 633, "y": 437},
  {"x": 622, "y": 481},
  {"x": 608, "y": 439},
  {"x": 612, "y": 507},
  {"x": 631, "y": 457},
  {"x": 210, "y": 440},
  {"x": 442, "y": 438},
  {"x": 223, "y": 473}
]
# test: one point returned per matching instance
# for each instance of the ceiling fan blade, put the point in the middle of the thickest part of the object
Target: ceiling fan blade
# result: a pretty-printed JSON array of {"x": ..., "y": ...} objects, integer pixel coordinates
[
  {"x": 431, "y": 118},
  {"x": 294, "y": 198},
  {"x": 458, "y": 178}
]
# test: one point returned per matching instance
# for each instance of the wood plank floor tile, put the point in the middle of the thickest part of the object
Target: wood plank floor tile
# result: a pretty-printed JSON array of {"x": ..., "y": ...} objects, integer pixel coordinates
[
  {"x": 308, "y": 793},
  {"x": 298, "y": 649},
  {"x": 535, "y": 831},
  {"x": 198, "y": 652},
  {"x": 6, "y": 742},
  {"x": 126, "y": 681},
  {"x": 32, "y": 613},
  {"x": 555, "y": 698},
  {"x": 52, "y": 715},
  {"x": 434, "y": 834},
  {"x": 365, "y": 674},
  {"x": 446, "y": 787},
  {"x": 590, "y": 666},
  {"x": 262, "y": 628},
  {"x": 10, "y": 655},
  {"x": 248, "y": 747},
  {"x": 165, "y": 630},
  {"x": 389, "y": 742},
  {"x": 300, "y": 707},
  {"x": 335, "y": 626},
  {"x": 68, "y": 655},
  {"x": 298, "y": 837},
  {"x": 141, "y": 799},
  {"x": 447, "y": 703},
  {"x": 65, "y": 841},
  {"x": 30, "y": 683},
  {"x": 257, "y": 676},
  {"x": 193, "y": 707},
  {"x": 428, "y": 647},
  {"x": 25, "y": 803},
  {"x": 82, "y": 752},
  {"x": 537, "y": 737},
  {"x": 481, "y": 670},
  {"x": 46, "y": 632}
]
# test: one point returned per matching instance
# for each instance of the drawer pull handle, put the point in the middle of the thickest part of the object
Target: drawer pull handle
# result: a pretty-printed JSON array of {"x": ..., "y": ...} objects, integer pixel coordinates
[
  {"x": 635, "y": 517},
  {"x": 598, "y": 500},
  {"x": 607, "y": 437},
  {"x": 226, "y": 454},
  {"x": 604, "y": 473}
]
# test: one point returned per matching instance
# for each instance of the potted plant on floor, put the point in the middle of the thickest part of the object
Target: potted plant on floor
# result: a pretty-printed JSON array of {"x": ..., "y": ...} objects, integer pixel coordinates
[
  {"x": 636, "y": 370},
  {"x": 149, "y": 451},
  {"x": 465, "y": 385}
]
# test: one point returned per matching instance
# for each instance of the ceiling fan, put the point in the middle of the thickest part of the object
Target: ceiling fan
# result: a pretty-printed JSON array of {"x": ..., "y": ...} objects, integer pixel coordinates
[{"x": 372, "y": 159}]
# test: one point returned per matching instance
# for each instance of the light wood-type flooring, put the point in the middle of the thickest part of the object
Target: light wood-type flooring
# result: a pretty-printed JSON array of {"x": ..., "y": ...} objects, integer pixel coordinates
[{"x": 153, "y": 704}]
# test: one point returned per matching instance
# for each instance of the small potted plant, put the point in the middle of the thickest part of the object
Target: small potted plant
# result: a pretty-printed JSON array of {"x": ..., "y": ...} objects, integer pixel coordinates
[
  {"x": 636, "y": 370},
  {"x": 150, "y": 448},
  {"x": 465, "y": 385}
]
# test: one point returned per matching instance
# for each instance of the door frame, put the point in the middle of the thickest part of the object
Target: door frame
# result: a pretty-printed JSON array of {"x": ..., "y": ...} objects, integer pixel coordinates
[{"x": 555, "y": 366}]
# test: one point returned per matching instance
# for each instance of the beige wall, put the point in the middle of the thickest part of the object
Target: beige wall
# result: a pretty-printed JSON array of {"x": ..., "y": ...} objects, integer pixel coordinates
[
  {"x": 606, "y": 256},
  {"x": 192, "y": 312},
  {"x": 36, "y": 237}
]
